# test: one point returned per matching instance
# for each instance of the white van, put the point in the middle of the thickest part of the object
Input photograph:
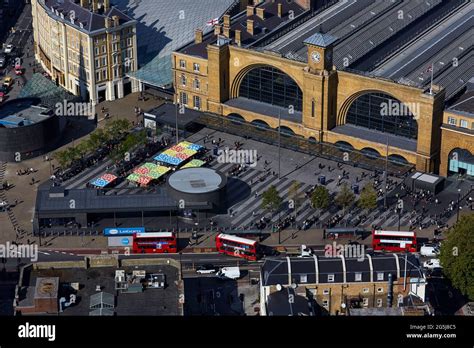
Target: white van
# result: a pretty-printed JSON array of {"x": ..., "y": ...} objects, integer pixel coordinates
[
  {"x": 429, "y": 250},
  {"x": 229, "y": 273}
]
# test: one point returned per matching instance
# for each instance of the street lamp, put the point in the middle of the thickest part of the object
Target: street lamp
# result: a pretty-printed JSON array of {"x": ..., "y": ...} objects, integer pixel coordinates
[{"x": 459, "y": 198}]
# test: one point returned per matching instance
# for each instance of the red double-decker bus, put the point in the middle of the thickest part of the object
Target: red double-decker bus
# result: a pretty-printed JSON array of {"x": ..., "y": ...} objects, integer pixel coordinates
[
  {"x": 154, "y": 243},
  {"x": 394, "y": 241},
  {"x": 237, "y": 246}
]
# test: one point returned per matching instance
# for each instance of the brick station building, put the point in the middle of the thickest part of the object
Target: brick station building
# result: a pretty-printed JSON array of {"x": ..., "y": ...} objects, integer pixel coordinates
[{"x": 269, "y": 66}]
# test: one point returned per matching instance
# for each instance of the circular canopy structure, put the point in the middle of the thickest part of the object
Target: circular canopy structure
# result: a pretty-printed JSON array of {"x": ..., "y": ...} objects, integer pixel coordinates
[{"x": 197, "y": 180}]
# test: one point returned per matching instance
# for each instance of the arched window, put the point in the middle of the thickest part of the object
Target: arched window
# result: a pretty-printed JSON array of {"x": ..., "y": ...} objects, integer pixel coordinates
[
  {"x": 381, "y": 112},
  {"x": 271, "y": 86}
]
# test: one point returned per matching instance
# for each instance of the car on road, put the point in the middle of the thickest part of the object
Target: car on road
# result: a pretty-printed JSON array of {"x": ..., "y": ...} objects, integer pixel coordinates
[
  {"x": 206, "y": 269},
  {"x": 4, "y": 89},
  {"x": 429, "y": 250},
  {"x": 432, "y": 264},
  {"x": 7, "y": 82},
  {"x": 9, "y": 48},
  {"x": 3, "y": 61}
]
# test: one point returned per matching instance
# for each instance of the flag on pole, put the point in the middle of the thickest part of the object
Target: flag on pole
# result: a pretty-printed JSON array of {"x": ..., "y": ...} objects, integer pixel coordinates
[
  {"x": 430, "y": 69},
  {"x": 213, "y": 22}
]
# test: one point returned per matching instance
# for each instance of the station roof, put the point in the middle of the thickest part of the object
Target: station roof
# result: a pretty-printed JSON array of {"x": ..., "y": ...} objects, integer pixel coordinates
[
  {"x": 163, "y": 26},
  {"x": 86, "y": 200}
]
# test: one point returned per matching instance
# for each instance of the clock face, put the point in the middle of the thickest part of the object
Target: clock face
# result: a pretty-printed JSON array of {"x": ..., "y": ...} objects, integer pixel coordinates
[{"x": 316, "y": 57}]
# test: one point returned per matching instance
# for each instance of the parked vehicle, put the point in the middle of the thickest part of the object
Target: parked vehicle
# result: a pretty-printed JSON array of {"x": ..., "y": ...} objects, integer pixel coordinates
[
  {"x": 3, "y": 61},
  {"x": 429, "y": 250},
  {"x": 229, "y": 273},
  {"x": 9, "y": 48},
  {"x": 432, "y": 264},
  {"x": 7, "y": 82},
  {"x": 206, "y": 269}
]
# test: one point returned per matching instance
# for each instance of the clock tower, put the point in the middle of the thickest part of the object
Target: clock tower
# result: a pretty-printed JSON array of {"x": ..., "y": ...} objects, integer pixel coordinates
[{"x": 320, "y": 51}]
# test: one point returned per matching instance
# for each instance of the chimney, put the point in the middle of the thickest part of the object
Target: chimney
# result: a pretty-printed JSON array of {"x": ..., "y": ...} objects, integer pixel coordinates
[
  {"x": 116, "y": 20},
  {"x": 226, "y": 32},
  {"x": 106, "y": 5},
  {"x": 95, "y": 6},
  {"x": 85, "y": 4},
  {"x": 250, "y": 26},
  {"x": 250, "y": 11},
  {"x": 280, "y": 10},
  {"x": 226, "y": 20},
  {"x": 108, "y": 22},
  {"x": 198, "y": 36},
  {"x": 238, "y": 37},
  {"x": 217, "y": 30},
  {"x": 261, "y": 13}
]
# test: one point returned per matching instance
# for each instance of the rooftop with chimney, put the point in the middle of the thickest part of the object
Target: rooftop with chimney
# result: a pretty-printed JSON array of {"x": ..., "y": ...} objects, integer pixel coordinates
[{"x": 87, "y": 15}]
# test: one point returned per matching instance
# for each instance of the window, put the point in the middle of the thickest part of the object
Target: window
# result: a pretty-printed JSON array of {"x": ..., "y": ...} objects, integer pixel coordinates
[
  {"x": 183, "y": 98},
  {"x": 381, "y": 112},
  {"x": 104, "y": 49},
  {"x": 379, "y": 302},
  {"x": 379, "y": 275},
  {"x": 182, "y": 64},
  {"x": 197, "y": 84},
  {"x": 464, "y": 124},
  {"x": 197, "y": 102},
  {"x": 97, "y": 76},
  {"x": 196, "y": 67},
  {"x": 115, "y": 59},
  {"x": 358, "y": 277},
  {"x": 303, "y": 278},
  {"x": 116, "y": 72},
  {"x": 379, "y": 289},
  {"x": 312, "y": 108},
  {"x": 116, "y": 47},
  {"x": 365, "y": 290},
  {"x": 330, "y": 277},
  {"x": 452, "y": 121},
  {"x": 271, "y": 86},
  {"x": 129, "y": 41},
  {"x": 326, "y": 292},
  {"x": 365, "y": 301},
  {"x": 104, "y": 74},
  {"x": 97, "y": 52},
  {"x": 183, "y": 80},
  {"x": 114, "y": 36},
  {"x": 325, "y": 303}
]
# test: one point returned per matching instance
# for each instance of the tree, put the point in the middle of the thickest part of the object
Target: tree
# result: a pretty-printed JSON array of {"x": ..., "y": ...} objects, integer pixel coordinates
[
  {"x": 271, "y": 200},
  {"x": 320, "y": 198},
  {"x": 345, "y": 197},
  {"x": 457, "y": 256},
  {"x": 63, "y": 158},
  {"x": 368, "y": 197}
]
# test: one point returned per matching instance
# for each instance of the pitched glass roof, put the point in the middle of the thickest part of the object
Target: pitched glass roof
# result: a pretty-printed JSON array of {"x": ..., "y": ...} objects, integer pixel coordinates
[{"x": 164, "y": 26}]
